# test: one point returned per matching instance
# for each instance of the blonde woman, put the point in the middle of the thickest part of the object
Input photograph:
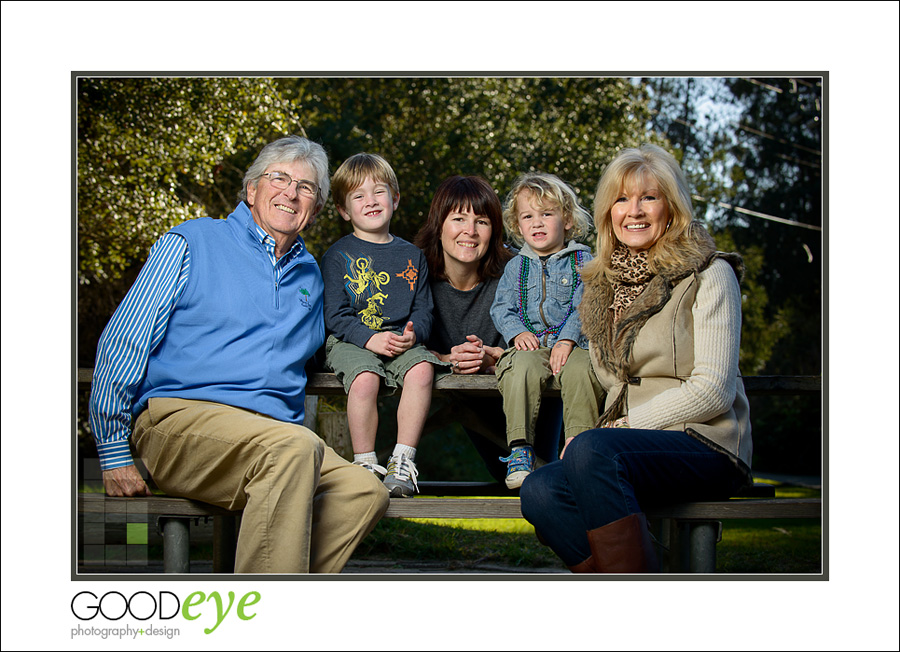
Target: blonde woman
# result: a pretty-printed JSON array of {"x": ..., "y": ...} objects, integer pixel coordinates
[{"x": 662, "y": 313}]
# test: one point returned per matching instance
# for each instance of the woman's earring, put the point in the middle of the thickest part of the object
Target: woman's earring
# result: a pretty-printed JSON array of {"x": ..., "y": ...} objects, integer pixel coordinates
[{"x": 668, "y": 225}]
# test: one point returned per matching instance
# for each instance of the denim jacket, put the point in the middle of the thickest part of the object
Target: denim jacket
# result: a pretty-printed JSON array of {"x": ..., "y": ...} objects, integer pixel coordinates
[{"x": 550, "y": 305}]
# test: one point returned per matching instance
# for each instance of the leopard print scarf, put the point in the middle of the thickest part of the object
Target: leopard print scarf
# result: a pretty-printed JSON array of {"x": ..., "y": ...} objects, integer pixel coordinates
[{"x": 632, "y": 276}]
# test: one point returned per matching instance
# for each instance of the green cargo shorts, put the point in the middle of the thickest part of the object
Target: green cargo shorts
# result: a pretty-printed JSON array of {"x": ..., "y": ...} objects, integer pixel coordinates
[{"x": 347, "y": 361}]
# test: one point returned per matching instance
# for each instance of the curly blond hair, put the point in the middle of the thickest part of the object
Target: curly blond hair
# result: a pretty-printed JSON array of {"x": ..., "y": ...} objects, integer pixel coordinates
[{"x": 548, "y": 189}]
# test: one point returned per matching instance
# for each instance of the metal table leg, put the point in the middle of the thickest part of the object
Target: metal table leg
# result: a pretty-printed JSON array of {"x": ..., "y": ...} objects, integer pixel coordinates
[
  {"x": 176, "y": 544},
  {"x": 703, "y": 538},
  {"x": 224, "y": 543}
]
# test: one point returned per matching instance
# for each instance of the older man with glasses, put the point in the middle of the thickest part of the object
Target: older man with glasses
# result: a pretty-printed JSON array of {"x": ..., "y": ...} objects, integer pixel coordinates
[{"x": 202, "y": 368}]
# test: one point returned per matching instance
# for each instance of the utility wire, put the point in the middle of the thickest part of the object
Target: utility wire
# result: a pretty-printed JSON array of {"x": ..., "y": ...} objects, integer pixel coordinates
[
  {"x": 759, "y": 132},
  {"x": 793, "y": 80},
  {"x": 693, "y": 125},
  {"x": 746, "y": 211},
  {"x": 779, "y": 140}
]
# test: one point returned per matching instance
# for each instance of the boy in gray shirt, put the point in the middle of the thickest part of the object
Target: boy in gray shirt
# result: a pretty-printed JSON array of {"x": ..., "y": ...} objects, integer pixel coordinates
[{"x": 378, "y": 314}]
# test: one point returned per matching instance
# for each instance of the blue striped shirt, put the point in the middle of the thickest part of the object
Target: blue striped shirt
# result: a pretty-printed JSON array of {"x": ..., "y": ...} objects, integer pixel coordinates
[{"x": 136, "y": 328}]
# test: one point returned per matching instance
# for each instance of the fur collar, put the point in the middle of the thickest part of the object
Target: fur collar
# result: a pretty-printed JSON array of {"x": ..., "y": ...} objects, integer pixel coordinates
[{"x": 613, "y": 342}]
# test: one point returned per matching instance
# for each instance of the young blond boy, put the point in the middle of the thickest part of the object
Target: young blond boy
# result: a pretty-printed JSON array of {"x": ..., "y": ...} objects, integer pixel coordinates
[
  {"x": 535, "y": 309},
  {"x": 378, "y": 315}
]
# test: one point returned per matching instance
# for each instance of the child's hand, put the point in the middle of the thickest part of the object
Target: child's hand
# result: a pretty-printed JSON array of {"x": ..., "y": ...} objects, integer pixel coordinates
[
  {"x": 526, "y": 341},
  {"x": 559, "y": 354},
  {"x": 404, "y": 342},
  {"x": 380, "y": 343},
  {"x": 491, "y": 356}
]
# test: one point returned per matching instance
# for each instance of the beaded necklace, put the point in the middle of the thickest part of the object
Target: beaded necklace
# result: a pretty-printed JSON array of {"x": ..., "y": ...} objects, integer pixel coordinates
[{"x": 576, "y": 262}]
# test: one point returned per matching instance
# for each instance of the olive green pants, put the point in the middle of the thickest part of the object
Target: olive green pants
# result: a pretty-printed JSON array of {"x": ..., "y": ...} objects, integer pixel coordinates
[
  {"x": 523, "y": 375},
  {"x": 305, "y": 509}
]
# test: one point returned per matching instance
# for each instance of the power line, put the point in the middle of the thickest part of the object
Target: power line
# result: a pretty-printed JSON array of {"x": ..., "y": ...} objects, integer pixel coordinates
[
  {"x": 758, "y": 132},
  {"x": 693, "y": 125},
  {"x": 756, "y": 82},
  {"x": 752, "y": 130},
  {"x": 794, "y": 81},
  {"x": 747, "y": 211}
]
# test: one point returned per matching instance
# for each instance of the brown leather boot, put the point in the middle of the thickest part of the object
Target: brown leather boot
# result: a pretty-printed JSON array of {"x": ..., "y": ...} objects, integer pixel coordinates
[
  {"x": 587, "y": 566},
  {"x": 623, "y": 546}
]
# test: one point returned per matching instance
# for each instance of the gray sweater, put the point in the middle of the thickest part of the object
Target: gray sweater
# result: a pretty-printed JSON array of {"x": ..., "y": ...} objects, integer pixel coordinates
[{"x": 459, "y": 313}]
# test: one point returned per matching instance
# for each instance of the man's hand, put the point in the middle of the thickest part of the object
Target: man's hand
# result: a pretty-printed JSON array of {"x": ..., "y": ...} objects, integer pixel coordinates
[
  {"x": 125, "y": 481},
  {"x": 526, "y": 341},
  {"x": 559, "y": 354}
]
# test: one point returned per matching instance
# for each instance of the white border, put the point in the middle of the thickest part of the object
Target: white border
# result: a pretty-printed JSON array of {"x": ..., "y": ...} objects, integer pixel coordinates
[{"x": 856, "y": 43}]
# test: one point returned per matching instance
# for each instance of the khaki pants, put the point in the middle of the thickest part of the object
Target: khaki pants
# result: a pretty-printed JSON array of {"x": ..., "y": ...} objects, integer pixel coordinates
[
  {"x": 523, "y": 375},
  {"x": 305, "y": 508}
]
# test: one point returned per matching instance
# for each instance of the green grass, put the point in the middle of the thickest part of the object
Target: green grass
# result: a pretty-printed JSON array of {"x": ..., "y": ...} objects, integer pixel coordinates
[
  {"x": 770, "y": 546},
  {"x": 791, "y": 546},
  {"x": 747, "y": 546},
  {"x": 462, "y": 543}
]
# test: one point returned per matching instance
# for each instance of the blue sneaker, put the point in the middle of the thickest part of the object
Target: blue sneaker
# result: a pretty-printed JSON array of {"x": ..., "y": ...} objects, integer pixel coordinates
[{"x": 518, "y": 465}]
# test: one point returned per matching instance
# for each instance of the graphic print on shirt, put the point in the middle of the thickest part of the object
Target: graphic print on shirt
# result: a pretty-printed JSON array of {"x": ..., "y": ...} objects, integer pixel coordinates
[
  {"x": 410, "y": 275},
  {"x": 304, "y": 299},
  {"x": 364, "y": 283},
  {"x": 371, "y": 314}
]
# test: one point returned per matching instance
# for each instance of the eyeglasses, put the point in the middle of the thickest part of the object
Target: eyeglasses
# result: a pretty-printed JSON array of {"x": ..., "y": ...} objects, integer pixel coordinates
[{"x": 282, "y": 181}]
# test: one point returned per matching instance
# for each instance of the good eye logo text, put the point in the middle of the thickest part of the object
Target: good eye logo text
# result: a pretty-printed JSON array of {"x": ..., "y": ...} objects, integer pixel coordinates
[{"x": 142, "y": 605}]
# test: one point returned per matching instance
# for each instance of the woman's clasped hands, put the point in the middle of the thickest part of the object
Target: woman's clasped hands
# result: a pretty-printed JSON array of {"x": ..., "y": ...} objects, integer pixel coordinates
[{"x": 472, "y": 356}]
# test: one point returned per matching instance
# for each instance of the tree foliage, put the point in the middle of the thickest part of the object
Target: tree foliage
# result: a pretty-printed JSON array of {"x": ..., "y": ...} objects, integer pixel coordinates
[
  {"x": 755, "y": 144},
  {"x": 432, "y": 128},
  {"x": 778, "y": 171},
  {"x": 153, "y": 152}
]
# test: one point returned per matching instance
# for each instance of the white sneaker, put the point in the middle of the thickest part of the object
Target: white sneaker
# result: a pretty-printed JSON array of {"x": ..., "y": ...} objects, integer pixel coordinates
[
  {"x": 401, "y": 477},
  {"x": 377, "y": 469}
]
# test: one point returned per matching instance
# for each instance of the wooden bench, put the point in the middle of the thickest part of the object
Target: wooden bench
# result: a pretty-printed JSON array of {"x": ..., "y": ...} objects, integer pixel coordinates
[{"x": 688, "y": 532}]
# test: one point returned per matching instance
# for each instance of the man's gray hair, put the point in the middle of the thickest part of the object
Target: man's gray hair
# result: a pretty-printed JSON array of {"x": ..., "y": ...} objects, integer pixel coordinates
[{"x": 291, "y": 149}]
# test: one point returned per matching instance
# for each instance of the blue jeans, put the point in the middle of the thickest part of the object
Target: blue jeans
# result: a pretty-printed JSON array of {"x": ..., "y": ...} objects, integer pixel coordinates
[{"x": 607, "y": 474}]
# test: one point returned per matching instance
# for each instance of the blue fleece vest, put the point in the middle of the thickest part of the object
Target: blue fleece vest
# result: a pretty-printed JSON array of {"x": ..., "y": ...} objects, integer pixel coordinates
[{"x": 235, "y": 336}]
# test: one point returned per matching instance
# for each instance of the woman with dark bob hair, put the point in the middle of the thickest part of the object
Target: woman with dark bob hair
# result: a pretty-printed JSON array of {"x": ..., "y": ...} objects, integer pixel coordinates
[
  {"x": 662, "y": 313},
  {"x": 463, "y": 244}
]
